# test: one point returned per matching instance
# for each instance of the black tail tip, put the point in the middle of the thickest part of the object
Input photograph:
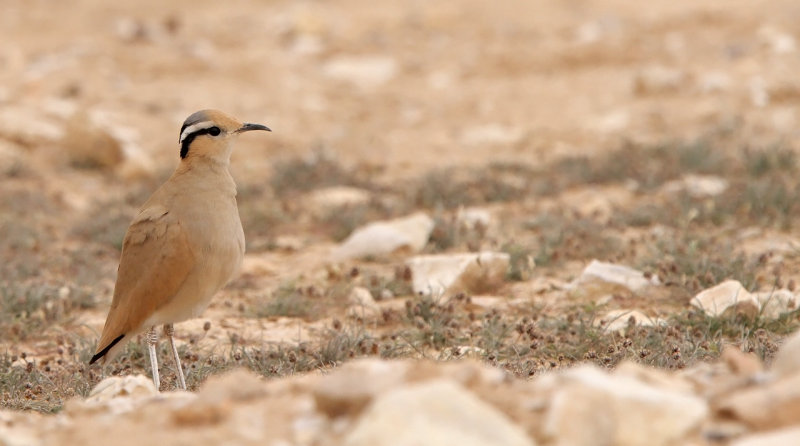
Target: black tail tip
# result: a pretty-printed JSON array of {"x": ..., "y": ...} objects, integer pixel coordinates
[{"x": 103, "y": 352}]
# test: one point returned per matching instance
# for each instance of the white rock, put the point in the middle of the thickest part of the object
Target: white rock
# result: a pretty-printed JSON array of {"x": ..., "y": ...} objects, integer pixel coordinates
[
  {"x": 783, "y": 437},
  {"x": 715, "y": 81},
  {"x": 385, "y": 237},
  {"x": 258, "y": 266},
  {"x": 727, "y": 295},
  {"x": 698, "y": 186},
  {"x": 787, "y": 360},
  {"x": 361, "y": 296},
  {"x": 489, "y": 302},
  {"x": 18, "y": 431},
  {"x": 233, "y": 385},
  {"x": 759, "y": 95},
  {"x": 601, "y": 202},
  {"x": 349, "y": 388},
  {"x": 452, "y": 273},
  {"x": 136, "y": 386},
  {"x": 488, "y": 134},
  {"x": 116, "y": 395},
  {"x": 616, "y": 320},
  {"x": 658, "y": 79},
  {"x": 130, "y": 30},
  {"x": 740, "y": 363},
  {"x": 16, "y": 126},
  {"x": 658, "y": 378},
  {"x": 610, "y": 122},
  {"x": 630, "y": 278},
  {"x": 324, "y": 201},
  {"x": 361, "y": 303},
  {"x": 474, "y": 218},
  {"x": 779, "y": 41},
  {"x": 364, "y": 71},
  {"x": 772, "y": 405},
  {"x": 590, "y": 407},
  {"x": 775, "y": 303},
  {"x": 11, "y": 158},
  {"x": 89, "y": 143},
  {"x": 434, "y": 413}
]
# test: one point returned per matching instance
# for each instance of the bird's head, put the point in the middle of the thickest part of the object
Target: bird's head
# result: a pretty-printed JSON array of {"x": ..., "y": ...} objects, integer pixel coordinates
[{"x": 208, "y": 134}]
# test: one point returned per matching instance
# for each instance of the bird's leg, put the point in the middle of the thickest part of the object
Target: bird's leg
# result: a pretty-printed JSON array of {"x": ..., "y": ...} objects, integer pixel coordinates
[
  {"x": 169, "y": 330},
  {"x": 152, "y": 340}
]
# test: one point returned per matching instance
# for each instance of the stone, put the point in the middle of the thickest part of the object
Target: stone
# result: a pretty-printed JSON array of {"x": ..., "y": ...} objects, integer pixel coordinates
[
  {"x": 722, "y": 431},
  {"x": 115, "y": 395},
  {"x": 759, "y": 96},
  {"x": 135, "y": 386},
  {"x": 362, "y": 71},
  {"x": 773, "y": 304},
  {"x": 11, "y": 159},
  {"x": 619, "y": 410},
  {"x": 349, "y": 389},
  {"x": 15, "y": 126},
  {"x": 361, "y": 296},
  {"x": 131, "y": 30},
  {"x": 777, "y": 40},
  {"x": 727, "y": 296},
  {"x": 137, "y": 164},
  {"x": 787, "y": 360},
  {"x": 433, "y": 413},
  {"x": 741, "y": 363},
  {"x": 441, "y": 274},
  {"x": 474, "y": 218},
  {"x": 658, "y": 79},
  {"x": 783, "y": 437},
  {"x": 610, "y": 122},
  {"x": 618, "y": 320},
  {"x": 654, "y": 377},
  {"x": 214, "y": 402},
  {"x": 487, "y": 303},
  {"x": 18, "y": 431},
  {"x": 714, "y": 82},
  {"x": 491, "y": 134},
  {"x": 89, "y": 144},
  {"x": 257, "y": 266},
  {"x": 630, "y": 278},
  {"x": 409, "y": 233},
  {"x": 772, "y": 405},
  {"x": 362, "y": 304},
  {"x": 238, "y": 385},
  {"x": 601, "y": 202},
  {"x": 697, "y": 186},
  {"x": 322, "y": 202}
]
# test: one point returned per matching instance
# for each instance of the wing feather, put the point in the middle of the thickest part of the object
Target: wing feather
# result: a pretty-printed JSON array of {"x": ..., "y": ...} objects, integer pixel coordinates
[{"x": 156, "y": 260}]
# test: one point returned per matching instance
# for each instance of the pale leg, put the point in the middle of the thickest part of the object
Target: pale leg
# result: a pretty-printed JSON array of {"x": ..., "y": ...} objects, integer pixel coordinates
[
  {"x": 152, "y": 340},
  {"x": 169, "y": 330}
]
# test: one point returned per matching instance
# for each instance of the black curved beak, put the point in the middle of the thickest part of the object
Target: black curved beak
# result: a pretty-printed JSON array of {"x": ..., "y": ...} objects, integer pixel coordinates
[{"x": 248, "y": 127}]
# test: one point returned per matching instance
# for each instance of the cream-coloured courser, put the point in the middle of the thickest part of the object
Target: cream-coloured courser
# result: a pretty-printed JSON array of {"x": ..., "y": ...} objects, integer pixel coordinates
[{"x": 184, "y": 245}]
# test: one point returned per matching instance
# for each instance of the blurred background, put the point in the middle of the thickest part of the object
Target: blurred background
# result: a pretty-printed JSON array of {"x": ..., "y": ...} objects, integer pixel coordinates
[{"x": 400, "y": 85}]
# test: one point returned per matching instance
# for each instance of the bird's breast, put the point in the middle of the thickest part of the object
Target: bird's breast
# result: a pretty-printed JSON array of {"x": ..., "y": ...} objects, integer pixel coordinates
[{"x": 215, "y": 233}]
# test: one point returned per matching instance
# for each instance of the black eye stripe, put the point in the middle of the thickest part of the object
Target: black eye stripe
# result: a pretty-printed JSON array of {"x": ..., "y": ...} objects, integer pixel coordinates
[{"x": 213, "y": 131}]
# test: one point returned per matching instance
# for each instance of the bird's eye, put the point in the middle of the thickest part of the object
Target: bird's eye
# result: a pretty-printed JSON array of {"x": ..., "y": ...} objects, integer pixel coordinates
[{"x": 213, "y": 131}]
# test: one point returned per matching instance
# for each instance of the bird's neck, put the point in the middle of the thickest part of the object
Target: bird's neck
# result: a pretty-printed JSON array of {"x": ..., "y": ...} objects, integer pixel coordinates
[{"x": 211, "y": 172}]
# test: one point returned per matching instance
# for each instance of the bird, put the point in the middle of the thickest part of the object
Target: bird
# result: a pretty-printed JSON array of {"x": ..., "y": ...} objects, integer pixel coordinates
[{"x": 185, "y": 243}]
